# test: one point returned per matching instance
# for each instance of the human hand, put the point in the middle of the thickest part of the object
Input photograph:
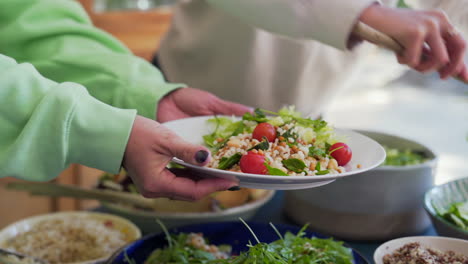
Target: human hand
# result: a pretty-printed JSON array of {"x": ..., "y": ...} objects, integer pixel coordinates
[
  {"x": 151, "y": 147},
  {"x": 430, "y": 42},
  {"x": 187, "y": 102}
]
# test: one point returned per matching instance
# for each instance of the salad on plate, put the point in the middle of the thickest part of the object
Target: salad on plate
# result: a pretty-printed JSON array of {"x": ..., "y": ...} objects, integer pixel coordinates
[{"x": 279, "y": 143}]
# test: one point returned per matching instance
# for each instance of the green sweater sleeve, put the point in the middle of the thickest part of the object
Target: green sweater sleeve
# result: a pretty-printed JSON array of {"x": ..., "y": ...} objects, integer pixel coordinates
[
  {"x": 45, "y": 126},
  {"x": 58, "y": 38}
]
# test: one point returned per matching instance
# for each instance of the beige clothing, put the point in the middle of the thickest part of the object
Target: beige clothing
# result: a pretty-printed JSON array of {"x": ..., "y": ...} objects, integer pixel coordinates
[{"x": 214, "y": 45}]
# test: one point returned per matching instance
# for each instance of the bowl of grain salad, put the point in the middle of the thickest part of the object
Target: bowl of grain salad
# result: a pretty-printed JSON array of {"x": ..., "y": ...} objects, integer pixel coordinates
[
  {"x": 69, "y": 237},
  {"x": 422, "y": 250}
]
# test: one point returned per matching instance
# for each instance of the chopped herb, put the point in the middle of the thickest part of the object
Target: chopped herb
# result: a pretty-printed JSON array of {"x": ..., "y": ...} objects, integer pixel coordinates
[
  {"x": 227, "y": 163},
  {"x": 275, "y": 171},
  {"x": 295, "y": 165},
  {"x": 323, "y": 172},
  {"x": 402, "y": 4},
  {"x": 289, "y": 248},
  {"x": 317, "y": 152},
  {"x": 264, "y": 145},
  {"x": 335, "y": 150},
  {"x": 319, "y": 170},
  {"x": 258, "y": 116}
]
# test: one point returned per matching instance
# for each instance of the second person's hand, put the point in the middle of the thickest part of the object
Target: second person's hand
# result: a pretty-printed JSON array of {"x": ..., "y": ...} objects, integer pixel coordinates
[
  {"x": 431, "y": 42},
  {"x": 188, "y": 102}
]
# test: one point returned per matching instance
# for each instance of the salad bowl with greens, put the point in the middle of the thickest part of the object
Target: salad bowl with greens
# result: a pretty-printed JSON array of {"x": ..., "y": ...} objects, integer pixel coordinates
[
  {"x": 277, "y": 150},
  {"x": 237, "y": 243},
  {"x": 447, "y": 205}
]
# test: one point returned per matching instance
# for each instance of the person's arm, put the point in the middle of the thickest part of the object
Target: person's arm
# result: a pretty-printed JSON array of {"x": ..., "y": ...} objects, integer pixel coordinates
[
  {"x": 328, "y": 21},
  {"x": 58, "y": 38},
  {"x": 331, "y": 22},
  {"x": 45, "y": 126}
]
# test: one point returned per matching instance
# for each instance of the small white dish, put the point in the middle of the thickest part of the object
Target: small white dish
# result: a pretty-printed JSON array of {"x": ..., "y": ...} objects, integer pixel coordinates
[
  {"x": 459, "y": 246},
  {"x": 367, "y": 154}
]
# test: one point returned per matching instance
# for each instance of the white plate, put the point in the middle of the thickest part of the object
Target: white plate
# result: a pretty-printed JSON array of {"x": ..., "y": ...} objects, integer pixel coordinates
[
  {"x": 459, "y": 246},
  {"x": 366, "y": 152}
]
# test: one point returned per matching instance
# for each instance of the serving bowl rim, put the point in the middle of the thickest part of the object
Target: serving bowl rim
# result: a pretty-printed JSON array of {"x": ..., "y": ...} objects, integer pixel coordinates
[
  {"x": 431, "y": 160},
  {"x": 249, "y": 206}
]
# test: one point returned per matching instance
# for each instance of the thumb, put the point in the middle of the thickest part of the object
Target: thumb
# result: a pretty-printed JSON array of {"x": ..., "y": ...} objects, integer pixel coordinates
[{"x": 223, "y": 107}]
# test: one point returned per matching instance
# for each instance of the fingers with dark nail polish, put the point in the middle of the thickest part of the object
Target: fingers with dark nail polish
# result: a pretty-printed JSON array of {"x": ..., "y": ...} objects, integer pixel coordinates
[
  {"x": 234, "y": 188},
  {"x": 201, "y": 156}
]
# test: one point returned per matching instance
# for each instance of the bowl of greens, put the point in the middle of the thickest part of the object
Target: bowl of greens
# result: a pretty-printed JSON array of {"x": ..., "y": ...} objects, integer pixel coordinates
[
  {"x": 447, "y": 206},
  {"x": 237, "y": 242},
  {"x": 382, "y": 203}
]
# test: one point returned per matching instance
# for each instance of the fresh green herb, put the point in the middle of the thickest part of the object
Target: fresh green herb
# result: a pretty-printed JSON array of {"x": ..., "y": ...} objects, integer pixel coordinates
[
  {"x": 288, "y": 249},
  {"x": 317, "y": 152},
  {"x": 264, "y": 145},
  {"x": 323, "y": 172},
  {"x": 396, "y": 157},
  {"x": 319, "y": 170},
  {"x": 227, "y": 163},
  {"x": 317, "y": 166},
  {"x": 327, "y": 147},
  {"x": 457, "y": 214},
  {"x": 275, "y": 171},
  {"x": 258, "y": 116},
  {"x": 180, "y": 251},
  {"x": 329, "y": 153},
  {"x": 295, "y": 165},
  {"x": 290, "y": 134},
  {"x": 402, "y": 4}
]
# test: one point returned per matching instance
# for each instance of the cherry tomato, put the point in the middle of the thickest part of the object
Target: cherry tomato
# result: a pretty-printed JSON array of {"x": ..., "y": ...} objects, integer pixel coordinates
[
  {"x": 341, "y": 152},
  {"x": 264, "y": 130},
  {"x": 253, "y": 163}
]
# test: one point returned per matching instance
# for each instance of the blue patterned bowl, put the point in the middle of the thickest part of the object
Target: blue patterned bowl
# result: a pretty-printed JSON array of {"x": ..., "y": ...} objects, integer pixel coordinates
[
  {"x": 233, "y": 233},
  {"x": 439, "y": 199}
]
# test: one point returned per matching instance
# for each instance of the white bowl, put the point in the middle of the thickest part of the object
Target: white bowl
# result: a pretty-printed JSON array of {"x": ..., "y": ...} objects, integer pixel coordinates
[
  {"x": 459, "y": 246},
  {"x": 146, "y": 220},
  {"x": 131, "y": 231},
  {"x": 383, "y": 203}
]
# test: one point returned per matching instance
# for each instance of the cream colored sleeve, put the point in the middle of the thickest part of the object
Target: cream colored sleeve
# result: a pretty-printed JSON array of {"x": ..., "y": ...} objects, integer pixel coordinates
[{"x": 328, "y": 21}]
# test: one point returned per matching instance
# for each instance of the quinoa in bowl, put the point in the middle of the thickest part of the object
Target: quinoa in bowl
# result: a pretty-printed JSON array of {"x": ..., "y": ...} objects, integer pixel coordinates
[
  {"x": 415, "y": 253},
  {"x": 69, "y": 237}
]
